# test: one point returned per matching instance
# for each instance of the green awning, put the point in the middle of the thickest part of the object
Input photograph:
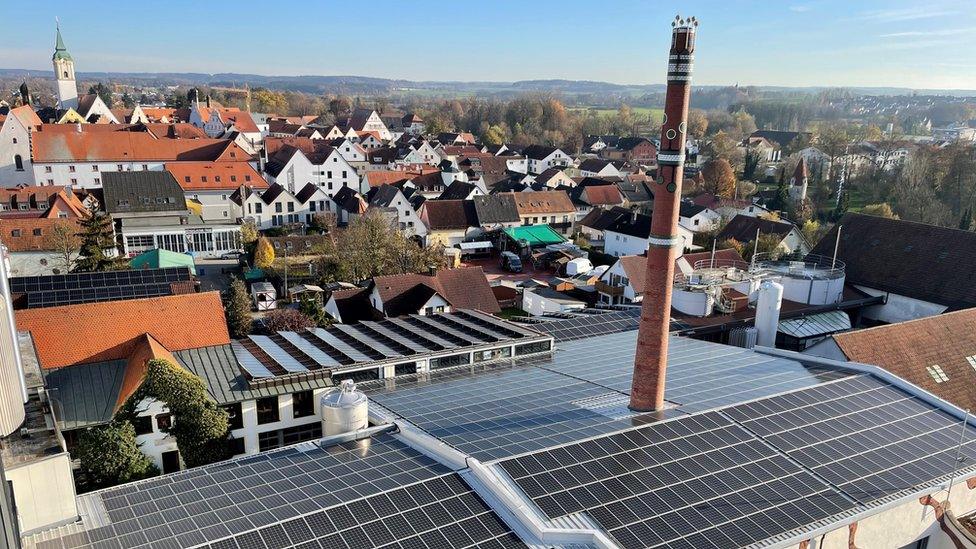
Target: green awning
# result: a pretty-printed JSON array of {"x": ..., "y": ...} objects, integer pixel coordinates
[
  {"x": 161, "y": 259},
  {"x": 535, "y": 235}
]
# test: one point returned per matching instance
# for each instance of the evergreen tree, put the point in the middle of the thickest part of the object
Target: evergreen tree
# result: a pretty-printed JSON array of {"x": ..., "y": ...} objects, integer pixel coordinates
[
  {"x": 237, "y": 308},
  {"x": 104, "y": 92},
  {"x": 109, "y": 455},
  {"x": 311, "y": 307},
  {"x": 967, "y": 219},
  {"x": 843, "y": 203},
  {"x": 97, "y": 243},
  {"x": 781, "y": 200}
]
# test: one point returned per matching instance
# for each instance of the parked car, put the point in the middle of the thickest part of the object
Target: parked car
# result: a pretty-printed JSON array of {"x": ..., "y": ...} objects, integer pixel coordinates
[
  {"x": 511, "y": 262},
  {"x": 233, "y": 254}
]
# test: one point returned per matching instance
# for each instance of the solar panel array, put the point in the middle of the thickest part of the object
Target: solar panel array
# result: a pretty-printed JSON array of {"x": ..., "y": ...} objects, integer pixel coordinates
[
  {"x": 701, "y": 375},
  {"x": 210, "y": 503},
  {"x": 365, "y": 342},
  {"x": 497, "y": 411},
  {"x": 75, "y": 288},
  {"x": 870, "y": 439},
  {"x": 441, "y": 513},
  {"x": 591, "y": 325},
  {"x": 696, "y": 482}
]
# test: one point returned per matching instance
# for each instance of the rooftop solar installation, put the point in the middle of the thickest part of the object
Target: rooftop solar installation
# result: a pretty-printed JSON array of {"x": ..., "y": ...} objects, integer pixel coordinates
[
  {"x": 497, "y": 411},
  {"x": 868, "y": 438},
  {"x": 700, "y": 376},
  {"x": 440, "y": 513},
  {"x": 698, "y": 482},
  {"x": 210, "y": 503},
  {"x": 75, "y": 288},
  {"x": 591, "y": 325}
]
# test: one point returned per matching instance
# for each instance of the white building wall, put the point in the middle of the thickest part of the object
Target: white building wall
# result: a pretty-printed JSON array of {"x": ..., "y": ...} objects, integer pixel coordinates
[
  {"x": 899, "y": 308},
  {"x": 618, "y": 245},
  {"x": 87, "y": 175},
  {"x": 15, "y": 141},
  {"x": 286, "y": 419},
  {"x": 156, "y": 443}
]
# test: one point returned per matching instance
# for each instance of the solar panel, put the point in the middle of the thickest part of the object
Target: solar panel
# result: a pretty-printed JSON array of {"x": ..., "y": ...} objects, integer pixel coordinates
[
  {"x": 433, "y": 323},
  {"x": 342, "y": 346},
  {"x": 417, "y": 344},
  {"x": 206, "y": 504},
  {"x": 699, "y": 481},
  {"x": 437, "y": 513},
  {"x": 249, "y": 362},
  {"x": 278, "y": 354},
  {"x": 591, "y": 325},
  {"x": 317, "y": 354},
  {"x": 76, "y": 288},
  {"x": 700, "y": 376},
  {"x": 407, "y": 327},
  {"x": 497, "y": 411},
  {"x": 870, "y": 439},
  {"x": 375, "y": 344}
]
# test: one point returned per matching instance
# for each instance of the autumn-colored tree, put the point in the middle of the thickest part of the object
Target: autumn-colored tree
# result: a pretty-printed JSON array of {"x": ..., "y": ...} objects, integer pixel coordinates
[
  {"x": 286, "y": 320},
  {"x": 264, "y": 254},
  {"x": 880, "y": 210},
  {"x": 269, "y": 101},
  {"x": 719, "y": 178},
  {"x": 723, "y": 146},
  {"x": 697, "y": 123}
]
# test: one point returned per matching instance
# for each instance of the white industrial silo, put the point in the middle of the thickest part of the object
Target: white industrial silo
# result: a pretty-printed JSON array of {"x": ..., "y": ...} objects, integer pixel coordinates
[
  {"x": 13, "y": 390},
  {"x": 768, "y": 305},
  {"x": 344, "y": 409}
]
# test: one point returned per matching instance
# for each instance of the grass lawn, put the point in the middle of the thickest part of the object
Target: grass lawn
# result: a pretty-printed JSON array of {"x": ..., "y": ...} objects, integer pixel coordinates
[
  {"x": 508, "y": 312},
  {"x": 858, "y": 200}
]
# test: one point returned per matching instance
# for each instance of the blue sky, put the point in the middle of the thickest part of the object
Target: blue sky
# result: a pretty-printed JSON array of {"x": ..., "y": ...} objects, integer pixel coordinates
[{"x": 801, "y": 43}]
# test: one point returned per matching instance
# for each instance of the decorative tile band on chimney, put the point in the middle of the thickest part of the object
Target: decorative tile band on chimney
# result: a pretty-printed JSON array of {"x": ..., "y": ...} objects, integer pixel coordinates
[{"x": 650, "y": 361}]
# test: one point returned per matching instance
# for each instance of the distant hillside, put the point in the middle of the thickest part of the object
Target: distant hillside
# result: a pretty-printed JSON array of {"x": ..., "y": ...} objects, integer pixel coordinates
[{"x": 377, "y": 86}]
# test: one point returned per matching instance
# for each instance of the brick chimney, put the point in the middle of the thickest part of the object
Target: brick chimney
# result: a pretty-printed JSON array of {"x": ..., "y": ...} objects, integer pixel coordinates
[{"x": 651, "y": 360}]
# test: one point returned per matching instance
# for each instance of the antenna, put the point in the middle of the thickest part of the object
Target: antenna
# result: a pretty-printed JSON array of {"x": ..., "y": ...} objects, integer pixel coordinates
[
  {"x": 833, "y": 260},
  {"x": 712, "y": 259},
  {"x": 958, "y": 457}
]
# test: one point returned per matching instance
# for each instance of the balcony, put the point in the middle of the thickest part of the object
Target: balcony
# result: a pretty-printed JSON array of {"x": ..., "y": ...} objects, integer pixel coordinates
[{"x": 607, "y": 289}]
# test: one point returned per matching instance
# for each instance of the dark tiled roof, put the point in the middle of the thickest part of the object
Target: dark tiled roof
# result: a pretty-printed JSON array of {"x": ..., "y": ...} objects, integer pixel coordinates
[
  {"x": 691, "y": 209},
  {"x": 921, "y": 261},
  {"x": 305, "y": 193},
  {"x": 599, "y": 219},
  {"x": 143, "y": 191},
  {"x": 629, "y": 143},
  {"x": 638, "y": 225},
  {"x": 348, "y": 199},
  {"x": 538, "y": 152},
  {"x": 450, "y": 214},
  {"x": 382, "y": 196},
  {"x": 743, "y": 228},
  {"x": 465, "y": 288},
  {"x": 457, "y": 190},
  {"x": 496, "y": 208},
  {"x": 273, "y": 191}
]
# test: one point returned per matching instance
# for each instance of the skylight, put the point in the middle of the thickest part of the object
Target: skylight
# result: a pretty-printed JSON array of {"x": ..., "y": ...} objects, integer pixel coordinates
[
  {"x": 937, "y": 373},
  {"x": 972, "y": 361}
]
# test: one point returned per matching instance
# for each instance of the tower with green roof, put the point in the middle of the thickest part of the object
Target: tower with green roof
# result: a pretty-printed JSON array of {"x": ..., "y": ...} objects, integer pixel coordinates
[{"x": 64, "y": 73}]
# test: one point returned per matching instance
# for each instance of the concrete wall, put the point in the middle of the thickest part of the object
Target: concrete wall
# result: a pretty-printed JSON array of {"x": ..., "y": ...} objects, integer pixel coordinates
[
  {"x": 44, "y": 491},
  {"x": 899, "y": 308},
  {"x": 901, "y": 526}
]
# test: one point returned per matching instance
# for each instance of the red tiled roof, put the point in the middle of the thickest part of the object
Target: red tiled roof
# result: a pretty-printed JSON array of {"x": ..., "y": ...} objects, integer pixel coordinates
[
  {"x": 241, "y": 120},
  {"x": 95, "y": 332},
  {"x": 908, "y": 349},
  {"x": 227, "y": 176},
  {"x": 386, "y": 177},
  {"x": 29, "y": 234},
  {"x": 603, "y": 195},
  {"x": 144, "y": 349},
  {"x": 127, "y": 146}
]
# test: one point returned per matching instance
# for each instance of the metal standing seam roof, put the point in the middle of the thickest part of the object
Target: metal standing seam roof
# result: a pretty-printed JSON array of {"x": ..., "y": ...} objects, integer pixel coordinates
[
  {"x": 86, "y": 394},
  {"x": 816, "y": 324}
]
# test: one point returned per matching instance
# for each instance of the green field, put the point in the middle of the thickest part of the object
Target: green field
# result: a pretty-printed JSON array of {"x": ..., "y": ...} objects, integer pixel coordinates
[{"x": 658, "y": 114}]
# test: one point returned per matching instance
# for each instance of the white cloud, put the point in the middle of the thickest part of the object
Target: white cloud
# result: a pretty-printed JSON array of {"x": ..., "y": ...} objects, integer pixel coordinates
[
  {"x": 903, "y": 14},
  {"x": 934, "y": 32}
]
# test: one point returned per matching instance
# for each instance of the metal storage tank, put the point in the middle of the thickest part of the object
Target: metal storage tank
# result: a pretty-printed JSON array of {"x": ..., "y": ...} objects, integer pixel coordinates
[
  {"x": 767, "y": 312},
  {"x": 344, "y": 409},
  {"x": 13, "y": 392}
]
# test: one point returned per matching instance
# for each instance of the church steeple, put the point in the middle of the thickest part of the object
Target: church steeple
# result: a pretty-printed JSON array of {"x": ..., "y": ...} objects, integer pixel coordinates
[
  {"x": 60, "y": 51},
  {"x": 25, "y": 95},
  {"x": 64, "y": 73}
]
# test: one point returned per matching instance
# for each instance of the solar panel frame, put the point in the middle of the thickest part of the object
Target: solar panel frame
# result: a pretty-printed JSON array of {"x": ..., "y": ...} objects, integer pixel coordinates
[
  {"x": 319, "y": 356},
  {"x": 279, "y": 355},
  {"x": 342, "y": 346}
]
